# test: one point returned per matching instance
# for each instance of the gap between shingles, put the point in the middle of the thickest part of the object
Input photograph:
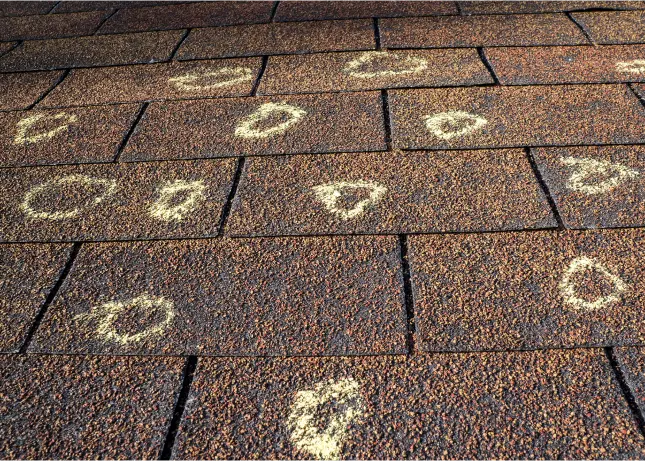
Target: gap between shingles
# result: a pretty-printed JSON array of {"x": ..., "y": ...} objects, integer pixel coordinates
[
  {"x": 626, "y": 390},
  {"x": 545, "y": 188},
  {"x": 130, "y": 132},
  {"x": 180, "y": 406},
  {"x": 50, "y": 297},
  {"x": 60, "y": 79},
  {"x": 489, "y": 66},
  {"x": 582, "y": 28},
  {"x": 408, "y": 293},
  {"x": 231, "y": 195}
]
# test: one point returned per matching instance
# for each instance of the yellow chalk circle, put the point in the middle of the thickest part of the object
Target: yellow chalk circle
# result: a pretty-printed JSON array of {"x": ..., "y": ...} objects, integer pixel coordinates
[
  {"x": 637, "y": 66},
  {"x": 329, "y": 194},
  {"x": 109, "y": 187},
  {"x": 246, "y": 129},
  {"x": 227, "y": 76},
  {"x": 414, "y": 65},
  {"x": 588, "y": 171},
  {"x": 448, "y": 125},
  {"x": 306, "y": 431},
  {"x": 107, "y": 314},
  {"x": 27, "y": 124},
  {"x": 164, "y": 209},
  {"x": 568, "y": 289}
]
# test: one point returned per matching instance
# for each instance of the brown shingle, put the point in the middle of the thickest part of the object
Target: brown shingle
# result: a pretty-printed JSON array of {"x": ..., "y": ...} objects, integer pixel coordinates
[
  {"x": 568, "y": 64},
  {"x": 29, "y": 272},
  {"x": 188, "y": 15},
  {"x": 50, "y": 26},
  {"x": 528, "y": 290},
  {"x": 613, "y": 26},
  {"x": 75, "y": 135},
  {"x": 372, "y": 70},
  {"x": 470, "y": 31},
  {"x": 259, "y": 126},
  {"x": 23, "y": 8},
  {"x": 86, "y": 407},
  {"x": 596, "y": 186},
  {"x": 316, "y": 10},
  {"x": 20, "y": 90},
  {"x": 341, "y": 296},
  {"x": 503, "y": 7},
  {"x": 514, "y": 405},
  {"x": 114, "y": 202},
  {"x": 281, "y": 38},
  {"x": 390, "y": 192},
  {"x": 145, "y": 82},
  {"x": 91, "y": 51},
  {"x": 516, "y": 116}
]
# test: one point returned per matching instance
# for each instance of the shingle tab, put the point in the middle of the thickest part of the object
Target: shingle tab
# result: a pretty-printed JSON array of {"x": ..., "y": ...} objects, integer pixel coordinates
[
  {"x": 390, "y": 192},
  {"x": 188, "y": 15},
  {"x": 596, "y": 186},
  {"x": 105, "y": 50},
  {"x": 341, "y": 296},
  {"x": 145, "y": 82},
  {"x": 470, "y": 31},
  {"x": 278, "y": 38},
  {"x": 50, "y": 26},
  {"x": 86, "y": 407},
  {"x": 528, "y": 290},
  {"x": 503, "y": 7},
  {"x": 463, "y": 118},
  {"x": 466, "y": 406},
  {"x": 317, "y": 10},
  {"x": 632, "y": 363},
  {"x": 29, "y": 272},
  {"x": 73, "y": 135},
  {"x": 568, "y": 64},
  {"x": 372, "y": 70},
  {"x": 613, "y": 27},
  {"x": 114, "y": 202},
  {"x": 259, "y": 126},
  {"x": 23, "y": 8}
]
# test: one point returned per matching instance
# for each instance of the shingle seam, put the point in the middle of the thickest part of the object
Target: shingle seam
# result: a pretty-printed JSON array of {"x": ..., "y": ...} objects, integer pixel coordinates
[
  {"x": 54, "y": 7},
  {"x": 179, "y": 43},
  {"x": 387, "y": 123},
  {"x": 274, "y": 10},
  {"x": 263, "y": 68},
  {"x": 636, "y": 93},
  {"x": 582, "y": 28},
  {"x": 408, "y": 293},
  {"x": 180, "y": 406},
  {"x": 104, "y": 20},
  {"x": 545, "y": 188},
  {"x": 130, "y": 132},
  {"x": 226, "y": 210},
  {"x": 489, "y": 66},
  {"x": 51, "y": 296},
  {"x": 626, "y": 390},
  {"x": 50, "y": 89},
  {"x": 377, "y": 33}
]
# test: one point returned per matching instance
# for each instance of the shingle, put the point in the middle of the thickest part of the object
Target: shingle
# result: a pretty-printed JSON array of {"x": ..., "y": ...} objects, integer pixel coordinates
[
  {"x": 144, "y": 82},
  {"x": 390, "y": 192},
  {"x": 613, "y": 27},
  {"x": 632, "y": 363},
  {"x": 341, "y": 296},
  {"x": 50, "y": 26},
  {"x": 278, "y": 38},
  {"x": 528, "y": 290},
  {"x": 503, "y": 7},
  {"x": 20, "y": 90},
  {"x": 372, "y": 70},
  {"x": 93, "y": 5},
  {"x": 23, "y": 8}
]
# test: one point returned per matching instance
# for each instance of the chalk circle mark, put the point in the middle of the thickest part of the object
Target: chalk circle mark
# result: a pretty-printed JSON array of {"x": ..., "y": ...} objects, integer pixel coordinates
[
  {"x": 164, "y": 207},
  {"x": 26, "y": 124},
  {"x": 586, "y": 172},
  {"x": 109, "y": 186},
  {"x": 453, "y": 124},
  {"x": 106, "y": 315},
  {"x": 248, "y": 126},
  {"x": 358, "y": 68},
  {"x": 569, "y": 291},
  {"x": 345, "y": 404},
  {"x": 330, "y": 194},
  {"x": 212, "y": 79}
]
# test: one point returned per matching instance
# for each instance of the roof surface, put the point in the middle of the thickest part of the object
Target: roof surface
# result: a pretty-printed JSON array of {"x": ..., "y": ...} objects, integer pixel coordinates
[{"x": 322, "y": 230}]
